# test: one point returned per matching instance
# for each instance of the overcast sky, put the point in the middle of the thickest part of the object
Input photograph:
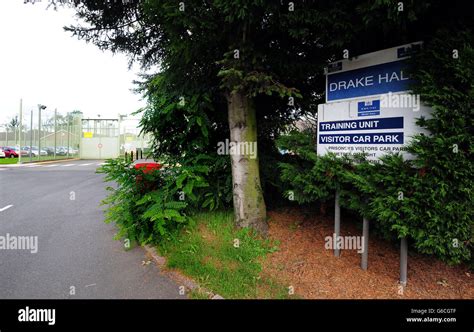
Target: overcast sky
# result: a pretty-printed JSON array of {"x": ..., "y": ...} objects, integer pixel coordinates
[{"x": 42, "y": 63}]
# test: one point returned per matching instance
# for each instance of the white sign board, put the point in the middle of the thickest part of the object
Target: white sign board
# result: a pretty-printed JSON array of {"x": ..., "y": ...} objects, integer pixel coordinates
[{"x": 369, "y": 109}]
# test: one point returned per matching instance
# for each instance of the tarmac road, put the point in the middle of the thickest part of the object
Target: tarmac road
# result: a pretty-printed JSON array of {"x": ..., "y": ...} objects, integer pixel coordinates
[{"x": 76, "y": 250}]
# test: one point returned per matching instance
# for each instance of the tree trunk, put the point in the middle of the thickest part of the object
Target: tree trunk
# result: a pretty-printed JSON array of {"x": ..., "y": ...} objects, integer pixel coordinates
[{"x": 249, "y": 205}]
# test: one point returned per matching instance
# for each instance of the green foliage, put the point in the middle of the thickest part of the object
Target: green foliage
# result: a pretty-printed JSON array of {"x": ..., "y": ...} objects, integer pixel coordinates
[
  {"x": 429, "y": 199},
  {"x": 312, "y": 178},
  {"x": 282, "y": 53},
  {"x": 148, "y": 207}
]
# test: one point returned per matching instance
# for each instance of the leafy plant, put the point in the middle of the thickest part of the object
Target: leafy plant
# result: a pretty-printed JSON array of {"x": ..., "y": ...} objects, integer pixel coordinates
[
  {"x": 428, "y": 199},
  {"x": 148, "y": 207}
]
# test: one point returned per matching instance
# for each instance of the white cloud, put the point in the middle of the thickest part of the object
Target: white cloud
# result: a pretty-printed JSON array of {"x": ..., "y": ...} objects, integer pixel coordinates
[{"x": 42, "y": 63}]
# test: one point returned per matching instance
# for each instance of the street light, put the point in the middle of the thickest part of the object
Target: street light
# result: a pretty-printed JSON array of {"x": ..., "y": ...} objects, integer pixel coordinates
[{"x": 40, "y": 107}]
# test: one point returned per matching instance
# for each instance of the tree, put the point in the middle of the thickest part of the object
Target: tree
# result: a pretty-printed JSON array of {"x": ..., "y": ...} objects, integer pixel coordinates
[
  {"x": 13, "y": 125},
  {"x": 240, "y": 53},
  {"x": 225, "y": 67}
]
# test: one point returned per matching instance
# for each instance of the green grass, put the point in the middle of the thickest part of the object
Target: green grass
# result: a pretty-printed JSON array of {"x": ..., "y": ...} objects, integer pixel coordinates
[
  {"x": 5, "y": 161},
  {"x": 205, "y": 251},
  {"x": 24, "y": 160}
]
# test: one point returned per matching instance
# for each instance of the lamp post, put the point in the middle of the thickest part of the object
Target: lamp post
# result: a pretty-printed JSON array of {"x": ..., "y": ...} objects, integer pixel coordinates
[
  {"x": 20, "y": 126},
  {"x": 40, "y": 107},
  {"x": 68, "y": 133},
  {"x": 31, "y": 135},
  {"x": 55, "y": 131}
]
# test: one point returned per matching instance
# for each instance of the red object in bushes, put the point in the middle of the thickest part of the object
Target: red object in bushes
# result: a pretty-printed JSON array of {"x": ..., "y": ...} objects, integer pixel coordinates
[{"x": 148, "y": 167}]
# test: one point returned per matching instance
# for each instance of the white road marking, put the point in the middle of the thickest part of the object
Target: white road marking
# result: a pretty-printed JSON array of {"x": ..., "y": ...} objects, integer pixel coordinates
[
  {"x": 2, "y": 169},
  {"x": 90, "y": 285},
  {"x": 68, "y": 165},
  {"x": 100, "y": 164},
  {"x": 31, "y": 166},
  {"x": 85, "y": 164},
  {"x": 51, "y": 165},
  {"x": 5, "y": 208}
]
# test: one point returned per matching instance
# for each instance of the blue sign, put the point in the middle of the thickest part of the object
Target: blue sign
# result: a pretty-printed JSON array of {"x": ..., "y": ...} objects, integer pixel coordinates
[
  {"x": 367, "y": 81},
  {"x": 368, "y": 108},
  {"x": 371, "y": 138},
  {"x": 366, "y": 124}
]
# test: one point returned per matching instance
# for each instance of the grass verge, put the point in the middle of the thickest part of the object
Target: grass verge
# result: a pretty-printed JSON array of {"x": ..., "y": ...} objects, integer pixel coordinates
[
  {"x": 6, "y": 161},
  {"x": 221, "y": 258},
  {"x": 25, "y": 160}
]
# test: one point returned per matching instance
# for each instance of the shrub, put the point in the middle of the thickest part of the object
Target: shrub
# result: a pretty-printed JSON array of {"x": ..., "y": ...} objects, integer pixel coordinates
[
  {"x": 148, "y": 207},
  {"x": 430, "y": 199}
]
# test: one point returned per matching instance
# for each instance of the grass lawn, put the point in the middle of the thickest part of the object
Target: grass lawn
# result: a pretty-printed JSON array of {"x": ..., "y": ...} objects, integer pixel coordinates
[
  {"x": 5, "y": 161},
  {"x": 221, "y": 258}
]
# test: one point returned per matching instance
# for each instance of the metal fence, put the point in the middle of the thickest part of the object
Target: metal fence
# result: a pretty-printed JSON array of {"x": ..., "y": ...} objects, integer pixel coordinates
[
  {"x": 42, "y": 134},
  {"x": 130, "y": 139}
]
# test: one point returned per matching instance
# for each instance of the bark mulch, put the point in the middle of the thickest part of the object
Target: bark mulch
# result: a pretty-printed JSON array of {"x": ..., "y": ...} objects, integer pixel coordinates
[{"x": 314, "y": 273}]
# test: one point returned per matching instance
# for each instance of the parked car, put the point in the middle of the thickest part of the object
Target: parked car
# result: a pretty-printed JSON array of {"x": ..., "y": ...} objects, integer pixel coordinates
[
  {"x": 34, "y": 151},
  {"x": 49, "y": 150},
  {"x": 2, "y": 153},
  {"x": 60, "y": 151},
  {"x": 9, "y": 152},
  {"x": 18, "y": 151},
  {"x": 63, "y": 151}
]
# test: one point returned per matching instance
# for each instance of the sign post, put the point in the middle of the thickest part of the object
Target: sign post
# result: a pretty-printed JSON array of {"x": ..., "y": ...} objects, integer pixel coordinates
[
  {"x": 368, "y": 106},
  {"x": 337, "y": 223},
  {"x": 369, "y": 109},
  {"x": 365, "y": 237}
]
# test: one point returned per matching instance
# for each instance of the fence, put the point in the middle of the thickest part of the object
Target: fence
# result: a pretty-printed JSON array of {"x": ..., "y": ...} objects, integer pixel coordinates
[
  {"x": 130, "y": 138},
  {"x": 43, "y": 134}
]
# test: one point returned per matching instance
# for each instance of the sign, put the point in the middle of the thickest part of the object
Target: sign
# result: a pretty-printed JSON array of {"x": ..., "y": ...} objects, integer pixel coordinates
[
  {"x": 369, "y": 138},
  {"x": 365, "y": 124},
  {"x": 370, "y": 74},
  {"x": 344, "y": 129},
  {"x": 367, "y": 108},
  {"x": 99, "y": 145},
  {"x": 368, "y": 105},
  {"x": 88, "y": 134},
  {"x": 368, "y": 81}
]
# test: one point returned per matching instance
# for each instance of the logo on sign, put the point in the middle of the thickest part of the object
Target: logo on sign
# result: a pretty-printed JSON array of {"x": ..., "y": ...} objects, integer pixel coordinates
[{"x": 367, "y": 108}]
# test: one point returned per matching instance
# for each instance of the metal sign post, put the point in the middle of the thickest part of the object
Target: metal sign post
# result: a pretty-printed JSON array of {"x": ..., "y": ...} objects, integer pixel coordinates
[
  {"x": 370, "y": 109},
  {"x": 365, "y": 236},
  {"x": 403, "y": 261},
  {"x": 337, "y": 223}
]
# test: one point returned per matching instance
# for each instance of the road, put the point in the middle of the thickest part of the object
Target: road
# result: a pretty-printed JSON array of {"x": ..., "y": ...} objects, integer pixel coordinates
[{"x": 77, "y": 256}]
